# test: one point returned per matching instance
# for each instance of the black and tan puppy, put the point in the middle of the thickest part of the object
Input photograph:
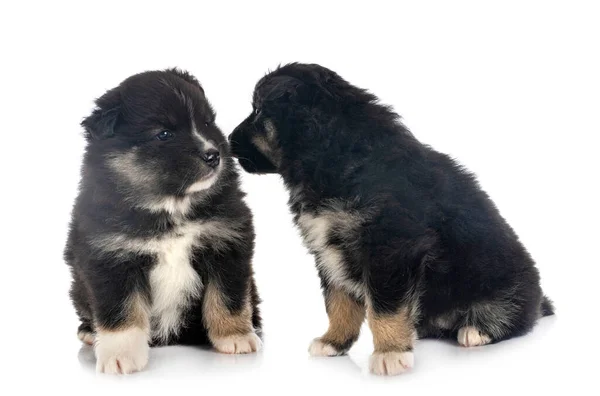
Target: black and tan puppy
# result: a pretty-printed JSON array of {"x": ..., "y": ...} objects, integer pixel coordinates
[
  {"x": 401, "y": 234},
  {"x": 161, "y": 242}
]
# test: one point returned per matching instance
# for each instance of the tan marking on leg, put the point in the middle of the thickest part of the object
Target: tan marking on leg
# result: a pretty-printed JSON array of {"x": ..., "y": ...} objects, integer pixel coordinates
[
  {"x": 346, "y": 316},
  {"x": 393, "y": 336},
  {"x": 391, "y": 332},
  {"x": 138, "y": 312},
  {"x": 219, "y": 320},
  {"x": 229, "y": 332}
]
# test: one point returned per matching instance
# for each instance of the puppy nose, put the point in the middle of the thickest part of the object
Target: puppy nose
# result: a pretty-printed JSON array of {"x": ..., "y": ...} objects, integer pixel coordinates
[{"x": 212, "y": 158}]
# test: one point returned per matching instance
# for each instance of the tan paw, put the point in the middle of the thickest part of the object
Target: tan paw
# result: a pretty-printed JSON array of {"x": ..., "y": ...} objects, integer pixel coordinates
[
  {"x": 246, "y": 343},
  {"x": 121, "y": 352},
  {"x": 469, "y": 337},
  {"x": 391, "y": 363},
  {"x": 86, "y": 337},
  {"x": 320, "y": 348}
]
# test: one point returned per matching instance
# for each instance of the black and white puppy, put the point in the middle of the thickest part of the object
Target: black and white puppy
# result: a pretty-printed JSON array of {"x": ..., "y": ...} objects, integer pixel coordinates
[
  {"x": 160, "y": 242},
  {"x": 401, "y": 234}
]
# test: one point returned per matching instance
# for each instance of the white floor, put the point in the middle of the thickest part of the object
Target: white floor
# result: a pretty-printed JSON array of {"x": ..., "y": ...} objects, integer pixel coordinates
[{"x": 543, "y": 360}]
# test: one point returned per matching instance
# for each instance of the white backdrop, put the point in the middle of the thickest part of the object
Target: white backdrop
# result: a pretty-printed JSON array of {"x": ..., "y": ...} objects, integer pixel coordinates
[{"x": 511, "y": 90}]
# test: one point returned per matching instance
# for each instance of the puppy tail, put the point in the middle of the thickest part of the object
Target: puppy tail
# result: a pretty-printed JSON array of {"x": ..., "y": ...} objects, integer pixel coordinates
[{"x": 547, "y": 307}]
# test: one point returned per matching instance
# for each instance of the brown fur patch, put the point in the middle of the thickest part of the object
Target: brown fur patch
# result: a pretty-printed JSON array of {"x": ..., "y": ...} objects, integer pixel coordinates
[
  {"x": 346, "y": 315},
  {"x": 219, "y": 320},
  {"x": 391, "y": 332},
  {"x": 268, "y": 144},
  {"x": 139, "y": 311},
  {"x": 136, "y": 312}
]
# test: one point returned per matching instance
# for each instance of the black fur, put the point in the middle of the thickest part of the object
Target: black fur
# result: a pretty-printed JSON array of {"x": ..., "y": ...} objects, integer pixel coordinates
[
  {"x": 428, "y": 235},
  {"x": 126, "y": 170}
]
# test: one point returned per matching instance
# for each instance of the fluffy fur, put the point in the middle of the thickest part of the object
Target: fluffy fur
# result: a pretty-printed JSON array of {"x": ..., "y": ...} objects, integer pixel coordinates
[
  {"x": 402, "y": 234},
  {"x": 159, "y": 219}
]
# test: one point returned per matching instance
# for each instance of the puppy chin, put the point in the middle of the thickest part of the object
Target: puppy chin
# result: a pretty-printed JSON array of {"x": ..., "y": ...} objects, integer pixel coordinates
[{"x": 205, "y": 183}]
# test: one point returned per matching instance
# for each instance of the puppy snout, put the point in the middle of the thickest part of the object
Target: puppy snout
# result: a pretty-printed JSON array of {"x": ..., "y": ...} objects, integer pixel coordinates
[{"x": 212, "y": 158}]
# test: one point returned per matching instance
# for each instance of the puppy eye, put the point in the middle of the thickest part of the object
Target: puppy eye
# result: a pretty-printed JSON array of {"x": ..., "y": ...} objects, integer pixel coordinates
[
  {"x": 165, "y": 135},
  {"x": 207, "y": 123}
]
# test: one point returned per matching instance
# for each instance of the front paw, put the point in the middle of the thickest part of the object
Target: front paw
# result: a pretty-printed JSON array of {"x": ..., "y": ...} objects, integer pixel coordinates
[
  {"x": 391, "y": 363},
  {"x": 318, "y": 347},
  {"x": 245, "y": 343},
  {"x": 121, "y": 352}
]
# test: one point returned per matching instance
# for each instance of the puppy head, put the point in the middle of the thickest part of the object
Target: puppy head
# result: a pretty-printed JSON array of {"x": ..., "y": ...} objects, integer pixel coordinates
[
  {"x": 293, "y": 109},
  {"x": 157, "y": 132}
]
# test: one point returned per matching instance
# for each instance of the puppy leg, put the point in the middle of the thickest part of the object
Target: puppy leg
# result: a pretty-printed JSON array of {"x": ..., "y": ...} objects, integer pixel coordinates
[
  {"x": 85, "y": 333},
  {"x": 513, "y": 311},
  {"x": 121, "y": 316},
  {"x": 392, "y": 308},
  {"x": 470, "y": 336},
  {"x": 393, "y": 336},
  {"x": 123, "y": 348},
  {"x": 346, "y": 315},
  {"x": 81, "y": 300},
  {"x": 397, "y": 246},
  {"x": 229, "y": 328}
]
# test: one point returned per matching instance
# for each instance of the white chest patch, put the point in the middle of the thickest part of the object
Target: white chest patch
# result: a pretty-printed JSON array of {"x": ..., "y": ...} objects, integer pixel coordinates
[
  {"x": 173, "y": 283},
  {"x": 329, "y": 259}
]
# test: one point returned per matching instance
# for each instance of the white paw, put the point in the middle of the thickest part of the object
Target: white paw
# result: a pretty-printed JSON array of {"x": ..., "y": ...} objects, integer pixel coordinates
[
  {"x": 86, "y": 337},
  {"x": 320, "y": 348},
  {"x": 469, "y": 337},
  {"x": 246, "y": 343},
  {"x": 121, "y": 352},
  {"x": 391, "y": 363}
]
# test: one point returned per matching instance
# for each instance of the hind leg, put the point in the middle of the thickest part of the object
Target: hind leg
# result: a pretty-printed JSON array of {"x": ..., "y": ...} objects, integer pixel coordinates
[
  {"x": 79, "y": 297},
  {"x": 453, "y": 324},
  {"x": 470, "y": 336},
  {"x": 86, "y": 333},
  {"x": 485, "y": 322},
  {"x": 511, "y": 314}
]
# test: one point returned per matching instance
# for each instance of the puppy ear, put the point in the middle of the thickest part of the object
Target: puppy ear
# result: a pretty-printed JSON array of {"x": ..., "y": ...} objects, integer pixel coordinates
[{"x": 101, "y": 123}]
